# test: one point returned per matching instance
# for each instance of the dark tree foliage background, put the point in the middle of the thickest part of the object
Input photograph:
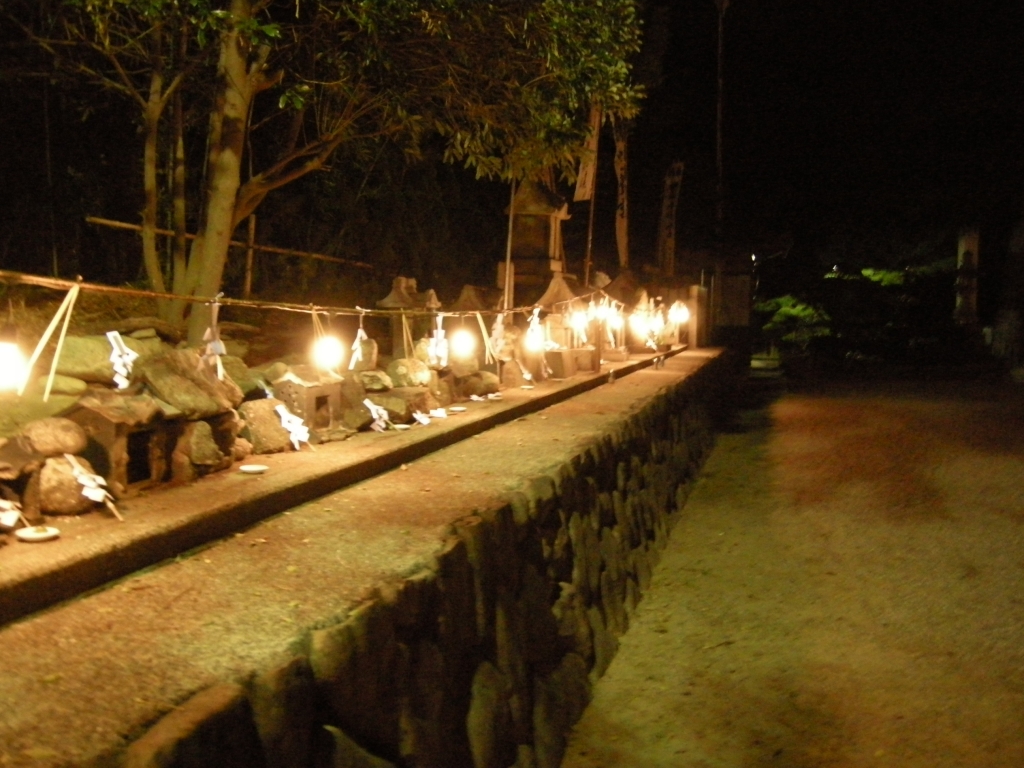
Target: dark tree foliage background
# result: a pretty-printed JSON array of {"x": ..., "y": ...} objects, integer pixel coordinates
[{"x": 857, "y": 134}]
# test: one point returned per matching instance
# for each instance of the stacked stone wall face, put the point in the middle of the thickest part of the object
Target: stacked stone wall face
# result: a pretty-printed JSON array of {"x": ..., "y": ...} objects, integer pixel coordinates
[{"x": 487, "y": 658}]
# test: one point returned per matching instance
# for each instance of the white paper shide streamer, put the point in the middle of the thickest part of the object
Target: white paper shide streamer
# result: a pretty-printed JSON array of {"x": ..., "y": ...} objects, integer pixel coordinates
[
  {"x": 437, "y": 347},
  {"x": 379, "y": 415},
  {"x": 297, "y": 431},
  {"x": 214, "y": 345},
  {"x": 357, "y": 349},
  {"x": 122, "y": 357},
  {"x": 94, "y": 487},
  {"x": 10, "y": 515}
]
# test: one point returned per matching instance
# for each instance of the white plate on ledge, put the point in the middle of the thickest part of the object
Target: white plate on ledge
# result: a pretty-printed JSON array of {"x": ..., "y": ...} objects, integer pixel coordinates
[
  {"x": 253, "y": 469},
  {"x": 457, "y": 409},
  {"x": 37, "y": 533}
]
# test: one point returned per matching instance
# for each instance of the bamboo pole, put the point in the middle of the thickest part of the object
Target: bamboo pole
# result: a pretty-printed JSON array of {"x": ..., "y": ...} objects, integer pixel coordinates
[
  {"x": 250, "y": 247},
  {"x": 235, "y": 243},
  {"x": 69, "y": 299},
  {"x": 19, "y": 278},
  {"x": 60, "y": 345}
]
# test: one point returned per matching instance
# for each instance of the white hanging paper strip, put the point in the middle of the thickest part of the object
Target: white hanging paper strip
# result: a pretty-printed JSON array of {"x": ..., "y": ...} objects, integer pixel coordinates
[
  {"x": 297, "y": 431},
  {"x": 214, "y": 345},
  {"x": 420, "y": 417},
  {"x": 498, "y": 335},
  {"x": 437, "y": 347},
  {"x": 534, "y": 332},
  {"x": 93, "y": 486},
  {"x": 357, "y": 348},
  {"x": 10, "y": 515},
  {"x": 380, "y": 416},
  {"x": 122, "y": 358},
  {"x": 488, "y": 349}
]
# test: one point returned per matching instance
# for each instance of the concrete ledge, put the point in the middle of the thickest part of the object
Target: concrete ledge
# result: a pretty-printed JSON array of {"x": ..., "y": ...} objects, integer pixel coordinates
[
  {"x": 454, "y": 612},
  {"x": 164, "y": 523}
]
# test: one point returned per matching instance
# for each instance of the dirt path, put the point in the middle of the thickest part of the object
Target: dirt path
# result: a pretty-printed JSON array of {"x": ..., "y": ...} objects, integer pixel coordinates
[{"x": 846, "y": 588}]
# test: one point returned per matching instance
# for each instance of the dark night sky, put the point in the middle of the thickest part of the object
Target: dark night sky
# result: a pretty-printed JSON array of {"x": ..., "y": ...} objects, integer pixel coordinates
[{"x": 887, "y": 119}]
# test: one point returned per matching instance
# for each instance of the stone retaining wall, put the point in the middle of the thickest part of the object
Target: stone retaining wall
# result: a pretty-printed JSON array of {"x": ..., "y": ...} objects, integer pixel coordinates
[{"x": 487, "y": 658}]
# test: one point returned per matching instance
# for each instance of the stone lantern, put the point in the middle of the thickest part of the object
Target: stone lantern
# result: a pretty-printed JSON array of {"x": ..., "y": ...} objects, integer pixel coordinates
[
  {"x": 404, "y": 295},
  {"x": 537, "y": 249}
]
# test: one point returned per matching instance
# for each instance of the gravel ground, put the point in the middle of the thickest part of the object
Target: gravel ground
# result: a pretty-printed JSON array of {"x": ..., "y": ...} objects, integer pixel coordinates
[{"x": 846, "y": 588}]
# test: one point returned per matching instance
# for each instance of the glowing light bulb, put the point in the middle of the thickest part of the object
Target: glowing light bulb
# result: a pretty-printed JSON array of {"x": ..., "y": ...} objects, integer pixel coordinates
[
  {"x": 639, "y": 323},
  {"x": 679, "y": 313},
  {"x": 579, "y": 321},
  {"x": 13, "y": 367},
  {"x": 328, "y": 352},
  {"x": 462, "y": 343}
]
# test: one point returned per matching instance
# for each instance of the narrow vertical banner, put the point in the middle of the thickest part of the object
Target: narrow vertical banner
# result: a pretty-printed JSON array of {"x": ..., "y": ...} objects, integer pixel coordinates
[
  {"x": 587, "y": 177},
  {"x": 621, "y": 131},
  {"x": 667, "y": 225}
]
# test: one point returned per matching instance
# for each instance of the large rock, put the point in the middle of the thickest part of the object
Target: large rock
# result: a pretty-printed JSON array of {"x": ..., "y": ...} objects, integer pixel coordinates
[
  {"x": 17, "y": 457},
  {"x": 237, "y": 348},
  {"x": 181, "y": 378},
  {"x": 273, "y": 371},
  {"x": 375, "y": 381},
  {"x": 60, "y": 493},
  {"x": 141, "y": 328},
  {"x": 213, "y": 728},
  {"x": 61, "y": 385},
  {"x": 481, "y": 383},
  {"x": 263, "y": 427},
  {"x": 88, "y": 357},
  {"x": 368, "y": 361},
  {"x": 409, "y": 372},
  {"x": 284, "y": 711},
  {"x": 117, "y": 407},
  {"x": 355, "y": 415},
  {"x": 401, "y": 402},
  {"x": 196, "y": 442},
  {"x": 346, "y": 753},
  {"x": 248, "y": 380},
  {"x": 488, "y": 721},
  {"x": 55, "y": 436},
  {"x": 560, "y": 699},
  {"x": 464, "y": 367},
  {"x": 512, "y": 374}
]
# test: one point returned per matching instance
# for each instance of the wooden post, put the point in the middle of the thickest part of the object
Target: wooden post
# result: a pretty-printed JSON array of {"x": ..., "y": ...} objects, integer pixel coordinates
[
  {"x": 508, "y": 288},
  {"x": 667, "y": 225},
  {"x": 247, "y": 286},
  {"x": 966, "y": 310}
]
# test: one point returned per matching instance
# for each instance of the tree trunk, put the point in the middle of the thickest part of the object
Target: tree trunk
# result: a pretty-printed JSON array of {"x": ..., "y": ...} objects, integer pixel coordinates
[
  {"x": 154, "y": 108},
  {"x": 238, "y": 83},
  {"x": 179, "y": 222}
]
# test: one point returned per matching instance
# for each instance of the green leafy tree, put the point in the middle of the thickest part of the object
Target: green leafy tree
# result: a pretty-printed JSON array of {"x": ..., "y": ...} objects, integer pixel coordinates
[
  {"x": 793, "y": 322},
  {"x": 506, "y": 84}
]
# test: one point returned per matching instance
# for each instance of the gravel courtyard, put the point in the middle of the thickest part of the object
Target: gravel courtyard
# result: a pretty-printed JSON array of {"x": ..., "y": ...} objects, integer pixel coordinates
[{"x": 845, "y": 588}]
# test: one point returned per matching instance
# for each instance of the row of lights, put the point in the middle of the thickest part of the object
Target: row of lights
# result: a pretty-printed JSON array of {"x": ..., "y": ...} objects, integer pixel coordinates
[{"x": 647, "y": 322}]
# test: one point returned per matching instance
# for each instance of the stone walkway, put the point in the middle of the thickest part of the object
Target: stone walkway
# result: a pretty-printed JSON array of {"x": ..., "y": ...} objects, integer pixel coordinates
[{"x": 846, "y": 588}]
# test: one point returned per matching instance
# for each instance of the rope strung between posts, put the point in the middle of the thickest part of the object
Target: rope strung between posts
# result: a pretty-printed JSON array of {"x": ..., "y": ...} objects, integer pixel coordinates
[{"x": 56, "y": 283}]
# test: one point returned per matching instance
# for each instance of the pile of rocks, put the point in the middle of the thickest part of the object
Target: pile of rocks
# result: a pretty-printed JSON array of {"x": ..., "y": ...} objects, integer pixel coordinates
[{"x": 178, "y": 420}]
